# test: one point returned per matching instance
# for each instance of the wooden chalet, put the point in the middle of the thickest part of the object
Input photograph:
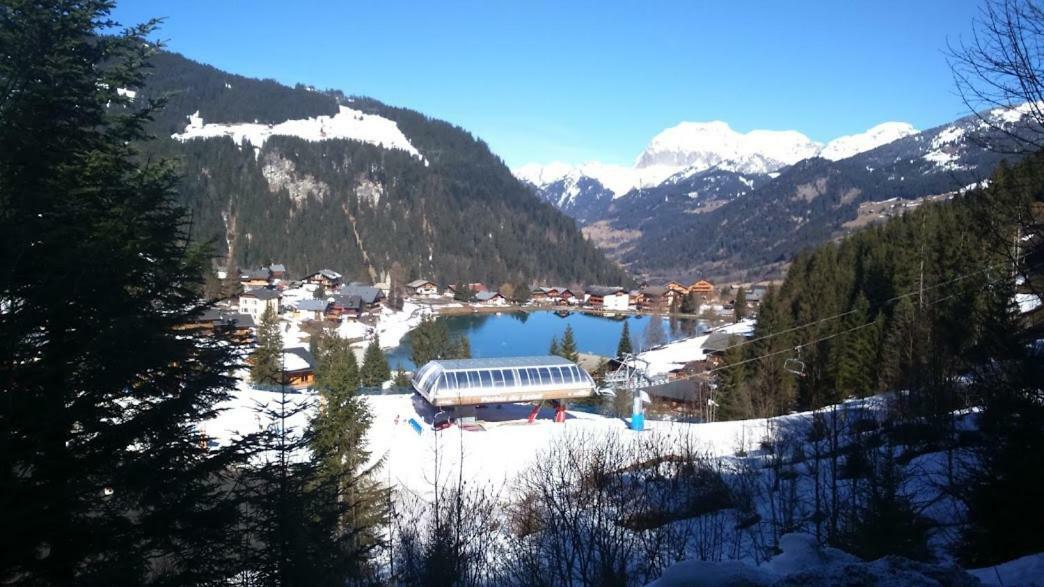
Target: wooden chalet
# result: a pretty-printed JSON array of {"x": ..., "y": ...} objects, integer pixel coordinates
[
  {"x": 422, "y": 288},
  {"x": 656, "y": 298},
  {"x": 326, "y": 278},
  {"x": 702, "y": 287},
  {"x": 298, "y": 368},
  {"x": 255, "y": 277}
]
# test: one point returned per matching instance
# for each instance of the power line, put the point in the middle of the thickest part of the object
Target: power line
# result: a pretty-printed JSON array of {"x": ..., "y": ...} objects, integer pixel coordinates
[
  {"x": 885, "y": 303},
  {"x": 806, "y": 344}
]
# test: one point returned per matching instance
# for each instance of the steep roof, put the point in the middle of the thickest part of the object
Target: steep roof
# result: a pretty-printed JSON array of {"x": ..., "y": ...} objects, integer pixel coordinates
[
  {"x": 485, "y": 296},
  {"x": 603, "y": 290},
  {"x": 312, "y": 305},
  {"x": 298, "y": 359},
  {"x": 418, "y": 283},
  {"x": 368, "y": 294},
  {"x": 261, "y": 294}
]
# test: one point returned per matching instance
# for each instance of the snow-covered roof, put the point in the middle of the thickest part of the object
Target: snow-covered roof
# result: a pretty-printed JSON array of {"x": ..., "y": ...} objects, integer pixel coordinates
[
  {"x": 485, "y": 296},
  {"x": 298, "y": 359},
  {"x": 419, "y": 283},
  {"x": 312, "y": 305}
]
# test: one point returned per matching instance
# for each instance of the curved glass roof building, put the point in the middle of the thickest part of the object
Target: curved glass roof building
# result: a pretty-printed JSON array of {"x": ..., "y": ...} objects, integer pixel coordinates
[{"x": 463, "y": 382}]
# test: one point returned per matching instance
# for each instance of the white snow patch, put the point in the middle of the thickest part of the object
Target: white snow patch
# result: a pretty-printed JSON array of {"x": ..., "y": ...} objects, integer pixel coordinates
[
  {"x": 882, "y": 134},
  {"x": 346, "y": 124}
]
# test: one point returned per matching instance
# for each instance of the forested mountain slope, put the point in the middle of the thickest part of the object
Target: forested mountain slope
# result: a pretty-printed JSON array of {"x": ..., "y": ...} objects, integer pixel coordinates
[{"x": 317, "y": 179}]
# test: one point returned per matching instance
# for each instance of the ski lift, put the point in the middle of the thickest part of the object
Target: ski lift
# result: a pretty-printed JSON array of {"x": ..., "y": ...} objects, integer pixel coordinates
[{"x": 794, "y": 364}]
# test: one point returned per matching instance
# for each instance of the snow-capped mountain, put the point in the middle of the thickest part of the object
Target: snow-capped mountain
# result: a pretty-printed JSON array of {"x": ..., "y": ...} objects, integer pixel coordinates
[
  {"x": 761, "y": 196},
  {"x": 682, "y": 153},
  {"x": 851, "y": 145},
  {"x": 702, "y": 145}
]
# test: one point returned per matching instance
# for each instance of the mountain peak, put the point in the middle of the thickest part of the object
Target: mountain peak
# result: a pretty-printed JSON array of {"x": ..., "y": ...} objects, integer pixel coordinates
[
  {"x": 706, "y": 144},
  {"x": 882, "y": 134}
]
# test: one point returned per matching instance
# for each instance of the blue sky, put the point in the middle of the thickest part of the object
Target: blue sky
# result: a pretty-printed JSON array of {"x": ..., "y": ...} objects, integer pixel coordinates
[{"x": 576, "y": 81}]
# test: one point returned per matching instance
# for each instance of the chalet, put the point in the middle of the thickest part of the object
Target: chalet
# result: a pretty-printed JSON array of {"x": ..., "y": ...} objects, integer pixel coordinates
[
  {"x": 702, "y": 287},
  {"x": 217, "y": 319},
  {"x": 254, "y": 302},
  {"x": 326, "y": 278},
  {"x": 255, "y": 277},
  {"x": 565, "y": 296},
  {"x": 473, "y": 288},
  {"x": 678, "y": 289},
  {"x": 277, "y": 271},
  {"x": 755, "y": 295},
  {"x": 311, "y": 309},
  {"x": 298, "y": 368},
  {"x": 344, "y": 306},
  {"x": 491, "y": 298},
  {"x": 538, "y": 295},
  {"x": 371, "y": 296},
  {"x": 603, "y": 297},
  {"x": 422, "y": 288},
  {"x": 656, "y": 298}
]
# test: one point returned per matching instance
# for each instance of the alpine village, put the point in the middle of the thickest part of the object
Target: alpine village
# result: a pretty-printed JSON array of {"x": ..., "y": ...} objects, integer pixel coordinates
[{"x": 260, "y": 333}]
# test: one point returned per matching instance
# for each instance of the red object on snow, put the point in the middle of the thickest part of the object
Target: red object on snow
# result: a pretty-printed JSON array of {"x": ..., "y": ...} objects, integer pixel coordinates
[
  {"x": 560, "y": 413},
  {"x": 533, "y": 413}
]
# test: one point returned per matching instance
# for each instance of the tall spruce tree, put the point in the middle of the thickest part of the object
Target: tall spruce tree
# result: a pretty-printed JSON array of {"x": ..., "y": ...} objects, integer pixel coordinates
[
  {"x": 554, "y": 349},
  {"x": 375, "y": 370},
  {"x": 267, "y": 359},
  {"x": 568, "y": 347},
  {"x": 101, "y": 466},
  {"x": 739, "y": 306},
  {"x": 733, "y": 398},
  {"x": 351, "y": 504},
  {"x": 624, "y": 347}
]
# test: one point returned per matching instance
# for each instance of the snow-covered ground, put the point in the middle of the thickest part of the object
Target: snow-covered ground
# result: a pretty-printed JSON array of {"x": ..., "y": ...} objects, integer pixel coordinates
[{"x": 676, "y": 354}]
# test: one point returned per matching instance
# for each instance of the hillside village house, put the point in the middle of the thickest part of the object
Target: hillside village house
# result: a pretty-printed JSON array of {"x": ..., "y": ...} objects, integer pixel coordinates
[
  {"x": 277, "y": 271},
  {"x": 255, "y": 277},
  {"x": 702, "y": 287},
  {"x": 370, "y": 296},
  {"x": 326, "y": 278},
  {"x": 678, "y": 289},
  {"x": 219, "y": 319},
  {"x": 311, "y": 309},
  {"x": 344, "y": 306},
  {"x": 422, "y": 288},
  {"x": 474, "y": 288},
  {"x": 298, "y": 368},
  {"x": 553, "y": 295},
  {"x": 607, "y": 298},
  {"x": 656, "y": 298},
  {"x": 491, "y": 298},
  {"x": 256, "y": 301}
]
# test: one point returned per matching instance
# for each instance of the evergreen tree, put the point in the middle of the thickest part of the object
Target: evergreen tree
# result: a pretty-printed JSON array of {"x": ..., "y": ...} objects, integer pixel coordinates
[
  {"x": 522, "y": 293},
  {"x": 624, "y": 346},
  {"x": 351, "y": 505},
  {"x": 654, "y": 334},
  {"x": 462, "y": 293},
  {"x": 568, "y": 346},
  {"x": 100, "y": 459},
  {"x": 733, "y": 397},
  {"x": 267, "y": 360},
  {"x": 319, "y": 293},
  {"x": 856, "y": 354},
  {"x": 401, "y": 379},
  {"x": 375, "y": 369},
  {"x": 739, "y": 307},
  {"x": 554, "y": 349}
]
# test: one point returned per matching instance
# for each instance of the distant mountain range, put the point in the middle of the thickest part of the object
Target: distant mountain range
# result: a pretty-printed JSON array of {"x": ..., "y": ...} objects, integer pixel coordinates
[
  {"x": 316, "y": 179},
  {"x": 703, "y": 200}
]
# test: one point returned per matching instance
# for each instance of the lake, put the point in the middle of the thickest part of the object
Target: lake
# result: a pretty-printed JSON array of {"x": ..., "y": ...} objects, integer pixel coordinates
[{"x": 529, "y": 333}]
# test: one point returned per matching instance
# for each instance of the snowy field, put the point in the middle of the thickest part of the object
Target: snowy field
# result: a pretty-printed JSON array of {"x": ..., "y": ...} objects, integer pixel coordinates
[{"x": 504, "y": 447}]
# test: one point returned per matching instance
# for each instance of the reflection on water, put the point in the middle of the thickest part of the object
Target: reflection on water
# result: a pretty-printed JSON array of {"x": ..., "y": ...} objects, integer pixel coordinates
[{"x": 530, "y": 333}]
